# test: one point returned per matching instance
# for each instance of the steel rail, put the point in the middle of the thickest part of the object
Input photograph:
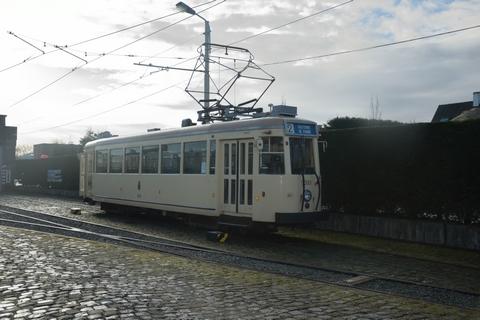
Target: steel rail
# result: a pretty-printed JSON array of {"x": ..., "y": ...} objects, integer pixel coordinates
[{"x": 156, "y": 244}]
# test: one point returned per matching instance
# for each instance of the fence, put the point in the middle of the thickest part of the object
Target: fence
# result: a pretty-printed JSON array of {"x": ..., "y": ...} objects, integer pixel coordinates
[
  {"x": 61, "y": 173},
  {"x": 417, "y": 171}
]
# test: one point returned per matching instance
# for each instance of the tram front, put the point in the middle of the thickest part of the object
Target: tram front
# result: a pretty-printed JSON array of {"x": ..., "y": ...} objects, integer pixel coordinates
[
  {"x": 303, "y": 174},
  {"x": 289, "y": 174}
]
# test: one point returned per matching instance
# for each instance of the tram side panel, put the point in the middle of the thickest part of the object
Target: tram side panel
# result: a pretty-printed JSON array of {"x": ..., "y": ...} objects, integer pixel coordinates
[
  {"x": 283, "y": 194},
  {"x": 177, "y": 192},
  {"x": 82, "y": 191},
  {"x": 181, "y": 193}
]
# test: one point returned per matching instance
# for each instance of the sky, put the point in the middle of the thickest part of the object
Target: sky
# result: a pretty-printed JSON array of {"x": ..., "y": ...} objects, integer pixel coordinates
[{"x": 59, "y": 95}]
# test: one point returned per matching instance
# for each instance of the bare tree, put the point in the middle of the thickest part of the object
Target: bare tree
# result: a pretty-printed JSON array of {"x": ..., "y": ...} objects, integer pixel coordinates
[
  {"x": 90, "y": 135},
  {"x": 58, "y": 141},
  {"x": 375, "y": 111},
  {"x": 23, "y": 150}
]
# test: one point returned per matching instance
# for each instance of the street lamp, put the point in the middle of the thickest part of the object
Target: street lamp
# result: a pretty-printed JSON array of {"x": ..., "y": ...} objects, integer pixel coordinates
[{"x": 206, "y": 80}]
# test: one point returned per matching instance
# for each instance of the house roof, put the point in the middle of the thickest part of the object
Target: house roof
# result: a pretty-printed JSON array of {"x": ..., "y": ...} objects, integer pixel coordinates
[
  {"x": 472, "y": 114},
  {"x": 446, "y": 112}
]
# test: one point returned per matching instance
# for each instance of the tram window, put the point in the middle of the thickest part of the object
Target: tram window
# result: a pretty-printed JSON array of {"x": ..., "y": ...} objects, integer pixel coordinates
[
  {"x": 150, "y": 159},
  {"x": 225, "y": 191},
  {"x": 195, "y": 157},
  {"x": 271, "y": 156},
  {"x": 301, "y": 156},
  {"x": 132, "y": 160},
  {"x": 242, "y": 191},
  {"x": 101, "y": 161},
  {"x": 234, "y": 158},
  {"x": 250, "y": 158},
  {"x": 226, "y": 158},
  {"x": 116, "y": 161},
  {"x": 242, "y": 158},
  {"x": 171, "y": 155},
  {"x": 213, "y": 151},
  {"x": 250, "y": 192},
  {"x": 233, "y": 198}
]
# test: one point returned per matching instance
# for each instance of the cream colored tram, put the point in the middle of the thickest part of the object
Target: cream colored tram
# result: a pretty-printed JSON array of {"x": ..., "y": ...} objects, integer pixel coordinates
[{"x": 248, "y": 172}]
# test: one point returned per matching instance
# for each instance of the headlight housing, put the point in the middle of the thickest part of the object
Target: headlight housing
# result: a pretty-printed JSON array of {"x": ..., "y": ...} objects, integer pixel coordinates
[{"x": 307, "y": 195}]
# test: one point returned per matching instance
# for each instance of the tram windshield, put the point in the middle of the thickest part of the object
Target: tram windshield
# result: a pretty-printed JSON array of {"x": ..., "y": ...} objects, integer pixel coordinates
[
  {"x": 271, "y": 156},
  {"x": 301, "y": 156}
]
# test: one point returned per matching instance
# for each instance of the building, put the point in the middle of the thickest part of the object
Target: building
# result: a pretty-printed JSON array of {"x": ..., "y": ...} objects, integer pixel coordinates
[
  {"x": 447, "y": 112},
  {"x": 53, "y": 169},
  {"x": 8, "y": 143},
  {"x": 55, "y": 150}
]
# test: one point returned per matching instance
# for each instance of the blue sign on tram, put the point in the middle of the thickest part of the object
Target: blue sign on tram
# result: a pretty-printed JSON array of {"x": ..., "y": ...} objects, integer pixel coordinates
[{"x": 300, "y": 129}]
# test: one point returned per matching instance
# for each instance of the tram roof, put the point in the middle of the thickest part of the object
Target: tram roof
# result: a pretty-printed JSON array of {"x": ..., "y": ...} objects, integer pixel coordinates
[{"x": 218, "y": 127}]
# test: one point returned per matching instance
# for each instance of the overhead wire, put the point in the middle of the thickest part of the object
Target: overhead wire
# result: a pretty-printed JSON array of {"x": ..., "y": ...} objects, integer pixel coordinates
[
  {"x": 372, "y": 47},
  {"x": 94, "y": 97},
  {"x": 118, "y": 87},
  {"x": 111, "y": 51},
  {"x": 128, "y": 55},
  {"x": 94, "y": 38},
  {"x": 43, "y": 88},
  {"x": 108, "y": 110},
  {"x": 286, "y": 61},
  {"x": 137, "y": 78},
  {"x": 292, "y": 22},
  {"x": 138, "y": 25},
  {"x": 22, "y": 62},
  {"x": 277, "y": 27},
  {"x": 238, "y": 41}
]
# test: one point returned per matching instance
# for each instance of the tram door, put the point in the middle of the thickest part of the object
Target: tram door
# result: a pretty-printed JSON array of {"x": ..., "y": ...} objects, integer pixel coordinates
[{"x": 238, "y": 176}]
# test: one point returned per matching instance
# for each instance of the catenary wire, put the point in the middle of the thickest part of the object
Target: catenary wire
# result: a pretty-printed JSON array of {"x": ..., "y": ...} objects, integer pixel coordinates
[
  {"x": 23, "y": 61},
  {"x": 238, "y": 41},
  {"x": 95, "y": 96},
  {"x": 108, "y": 110},
  {"x": 276, "y": 28},
  {"x": 138, "y": 25},
  {"x": 100, "y": 57},
  {"x": 63, "y": 76},
  {"x": 117, "y": 87},
  {"x": 292, "y": 22},
  {"x": 290, "y": 61},
  {"x": 372, "y": 47},
  {"x": 94, "y": 38},
  {"x": 124, "y": 84}
]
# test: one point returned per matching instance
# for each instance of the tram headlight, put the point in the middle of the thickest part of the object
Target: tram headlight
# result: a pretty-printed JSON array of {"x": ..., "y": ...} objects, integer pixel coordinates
[{"x": 307, "y": 195}]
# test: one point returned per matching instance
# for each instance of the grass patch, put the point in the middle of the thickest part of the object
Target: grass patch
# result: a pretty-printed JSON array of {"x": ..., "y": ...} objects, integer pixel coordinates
[{"x": 460, "y": 257}]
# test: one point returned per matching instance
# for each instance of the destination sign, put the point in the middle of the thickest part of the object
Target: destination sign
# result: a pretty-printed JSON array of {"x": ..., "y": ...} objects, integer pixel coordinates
[{"x": 300, "y": 129}]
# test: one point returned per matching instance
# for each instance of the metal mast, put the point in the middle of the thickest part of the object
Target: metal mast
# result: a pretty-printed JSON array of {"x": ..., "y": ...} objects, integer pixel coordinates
[
  {"x": 237, "y": 67},
  {"x": 181, "y": 6}
]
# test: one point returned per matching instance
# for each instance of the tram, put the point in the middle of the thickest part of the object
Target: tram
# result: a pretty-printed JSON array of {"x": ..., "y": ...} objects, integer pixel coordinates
[{"x": 260, "y": 171}]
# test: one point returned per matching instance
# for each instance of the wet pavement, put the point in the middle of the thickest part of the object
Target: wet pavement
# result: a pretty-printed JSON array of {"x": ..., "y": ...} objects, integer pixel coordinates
[
  {"x": 338, "y": 257},
  {"x": 46, "y": 276}
]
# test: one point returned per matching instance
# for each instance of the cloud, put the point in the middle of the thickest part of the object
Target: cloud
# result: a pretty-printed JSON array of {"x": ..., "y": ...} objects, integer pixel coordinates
[{"x": 410, "y": 79}]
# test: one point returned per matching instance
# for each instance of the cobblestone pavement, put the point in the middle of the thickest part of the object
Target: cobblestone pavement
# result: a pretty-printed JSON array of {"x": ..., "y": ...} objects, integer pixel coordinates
[
  {"x": 294, "y": 250},
  {"x": 46, "y": 276}
]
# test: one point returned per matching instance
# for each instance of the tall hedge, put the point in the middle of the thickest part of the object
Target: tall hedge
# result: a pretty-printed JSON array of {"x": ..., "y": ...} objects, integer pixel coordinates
[{"x": 418, "y": 171}]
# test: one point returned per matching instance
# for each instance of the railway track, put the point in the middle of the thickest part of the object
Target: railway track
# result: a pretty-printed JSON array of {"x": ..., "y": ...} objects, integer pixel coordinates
[{"x": 38, "y": 221}]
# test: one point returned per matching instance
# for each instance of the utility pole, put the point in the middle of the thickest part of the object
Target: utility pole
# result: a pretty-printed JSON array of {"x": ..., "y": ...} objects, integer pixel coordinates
[{"x": 206, "y": 60}]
